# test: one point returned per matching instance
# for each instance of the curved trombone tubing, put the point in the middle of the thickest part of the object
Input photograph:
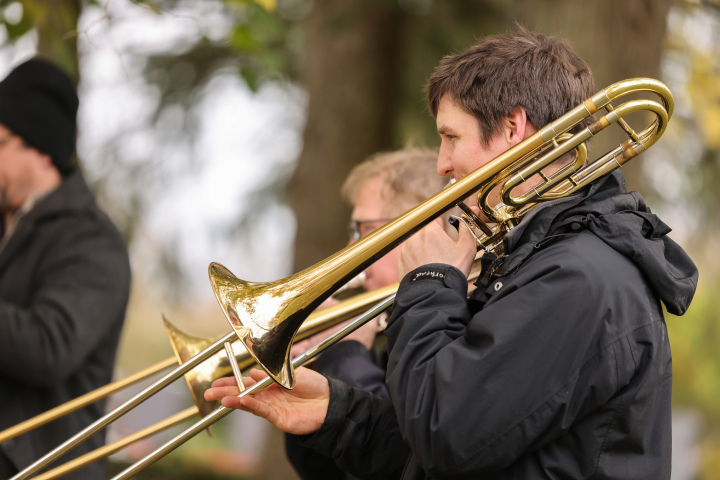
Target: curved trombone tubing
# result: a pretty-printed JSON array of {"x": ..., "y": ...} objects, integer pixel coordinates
[
  {"x": 571, "y": 178},
  {"x": 221, "y": 412}
]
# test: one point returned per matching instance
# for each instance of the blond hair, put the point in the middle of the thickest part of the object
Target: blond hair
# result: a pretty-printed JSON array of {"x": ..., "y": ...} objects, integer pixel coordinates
[{"x": 409, "y": 176}]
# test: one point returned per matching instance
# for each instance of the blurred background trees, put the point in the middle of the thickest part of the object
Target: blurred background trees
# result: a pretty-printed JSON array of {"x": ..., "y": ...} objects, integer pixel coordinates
[{"x": 221, "y": 130}]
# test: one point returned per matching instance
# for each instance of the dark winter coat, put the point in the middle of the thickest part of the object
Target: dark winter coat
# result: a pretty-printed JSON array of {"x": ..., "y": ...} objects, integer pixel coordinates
[
  {"x": 64, "y": 286},
  {"x": 558, "y": 366}
]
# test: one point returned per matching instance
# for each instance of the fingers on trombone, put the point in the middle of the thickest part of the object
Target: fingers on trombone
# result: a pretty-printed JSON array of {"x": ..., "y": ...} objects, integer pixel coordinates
[
  {"x": 228, "y": 386},
  {"x": 220, "y": 392},
  {"x": 217, "y": 392},
  {"x": 223, "y": 387},
  {"x": 249, "y": 404},
  {"x": 225, "y": 382},
  {"x": 226, "y": 390}
]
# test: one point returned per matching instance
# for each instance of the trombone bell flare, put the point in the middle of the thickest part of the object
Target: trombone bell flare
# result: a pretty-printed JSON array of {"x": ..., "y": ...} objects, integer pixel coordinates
[
  {"x": 240, "y": 301},
  {"x": 201, "y": 377}
]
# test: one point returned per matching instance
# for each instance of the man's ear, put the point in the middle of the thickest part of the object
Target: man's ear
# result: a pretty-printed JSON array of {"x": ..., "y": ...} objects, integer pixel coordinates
[
  {"x": 516, "y": 126},
  {"x": 43, "y": 162},
  {"x": 46, "y": 161}
]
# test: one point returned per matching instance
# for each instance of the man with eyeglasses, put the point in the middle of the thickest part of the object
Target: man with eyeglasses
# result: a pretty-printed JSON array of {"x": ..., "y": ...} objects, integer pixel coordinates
[
  {"x": 64, "y": 271},
  {"x": 379, "y": 189}
]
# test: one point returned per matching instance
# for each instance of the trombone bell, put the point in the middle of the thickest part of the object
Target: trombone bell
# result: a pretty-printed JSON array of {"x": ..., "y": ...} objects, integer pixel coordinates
[
  {"x": 201, "y": 377},
  {"x": 266, "y": 316},
  {"x": 266, "y": 337}
]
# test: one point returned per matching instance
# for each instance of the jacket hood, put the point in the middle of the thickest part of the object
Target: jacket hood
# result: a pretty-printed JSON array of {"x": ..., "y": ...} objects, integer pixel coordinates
[{"x": 624, "y": 222}]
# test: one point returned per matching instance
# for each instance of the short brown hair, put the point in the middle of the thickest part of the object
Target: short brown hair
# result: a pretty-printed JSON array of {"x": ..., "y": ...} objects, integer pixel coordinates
[
  {"x": 409, "y": 177},
  {"x": 489, "y": 80}
]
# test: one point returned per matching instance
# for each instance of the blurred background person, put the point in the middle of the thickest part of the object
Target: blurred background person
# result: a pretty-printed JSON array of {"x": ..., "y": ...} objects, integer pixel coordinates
[
  {"x": 64, "y": 271},
  {"x": 379, "y": 189}
]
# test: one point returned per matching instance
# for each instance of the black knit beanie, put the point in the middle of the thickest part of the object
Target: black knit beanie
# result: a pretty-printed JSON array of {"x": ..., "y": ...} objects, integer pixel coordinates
[{"x": 39, "y": 103}]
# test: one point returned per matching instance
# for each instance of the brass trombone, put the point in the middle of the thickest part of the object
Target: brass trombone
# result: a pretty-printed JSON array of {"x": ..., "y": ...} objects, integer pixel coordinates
[
  {"x": 198, "y": 379},
  {"x": 267, "y": 316},
  {"x": 186, "y": 346}
]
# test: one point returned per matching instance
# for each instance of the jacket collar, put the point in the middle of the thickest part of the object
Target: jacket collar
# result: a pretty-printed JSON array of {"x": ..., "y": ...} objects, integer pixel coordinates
[
  {"x": 520, "y": 242},
  {"x": 72, "y": 195},
  {"x": 70, "y": 198},
  {"x": 623, "y": 222}
]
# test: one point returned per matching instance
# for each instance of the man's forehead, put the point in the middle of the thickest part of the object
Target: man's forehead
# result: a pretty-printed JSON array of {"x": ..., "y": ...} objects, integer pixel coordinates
[{"x": 450, "y": 113}]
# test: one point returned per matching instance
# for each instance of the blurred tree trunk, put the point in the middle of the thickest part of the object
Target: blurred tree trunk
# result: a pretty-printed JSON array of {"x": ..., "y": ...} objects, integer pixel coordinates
[
  {"x": 618, "y": 38},
  {"x": 349, "y": 73},
  {"x": 56, "y": 24}
]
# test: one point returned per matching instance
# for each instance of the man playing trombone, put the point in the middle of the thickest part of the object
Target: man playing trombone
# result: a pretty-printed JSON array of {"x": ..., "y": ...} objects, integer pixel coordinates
[
  {"x": 64, "y": 270},
  {"x": 558, "y": 365}
]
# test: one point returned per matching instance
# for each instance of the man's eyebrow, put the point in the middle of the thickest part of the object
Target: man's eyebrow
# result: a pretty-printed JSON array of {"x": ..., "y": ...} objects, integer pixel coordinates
[{"x": 443, "y": 129}]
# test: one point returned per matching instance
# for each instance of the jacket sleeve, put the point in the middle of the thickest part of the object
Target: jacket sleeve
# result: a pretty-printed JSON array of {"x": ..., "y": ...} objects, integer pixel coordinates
[
  {"x": 80, "y": 292},
  {"x": 361, "y": 434},
  {"x": 472, "y": 394},
  {"x": 350, "y": 362}
]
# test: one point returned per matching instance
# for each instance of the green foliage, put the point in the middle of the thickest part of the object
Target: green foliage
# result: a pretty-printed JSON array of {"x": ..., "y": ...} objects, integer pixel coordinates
[
  {"x": 54, "y": 22},
  {"x": 16, "y": 29},
  {"x": 694, "y": 339},
  {"x": 261, "y": 41},
  {"x": 704, "y": 90},
  {"x": 258, "y": 42},
  {"x": 701, "y": 62}
]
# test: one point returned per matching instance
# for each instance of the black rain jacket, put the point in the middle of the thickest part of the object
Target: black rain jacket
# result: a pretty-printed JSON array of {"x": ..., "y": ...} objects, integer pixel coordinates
[
  {"x": 557, "y": 367},
  {"x": 64, "y": 286}
]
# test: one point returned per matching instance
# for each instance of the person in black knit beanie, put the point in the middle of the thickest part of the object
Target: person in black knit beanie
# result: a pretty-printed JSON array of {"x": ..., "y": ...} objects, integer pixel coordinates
[{"x": 64, "y": 271}]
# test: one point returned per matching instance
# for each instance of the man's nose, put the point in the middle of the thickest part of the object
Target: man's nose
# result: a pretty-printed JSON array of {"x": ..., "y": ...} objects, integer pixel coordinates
[{"x": 444, "y": 166}]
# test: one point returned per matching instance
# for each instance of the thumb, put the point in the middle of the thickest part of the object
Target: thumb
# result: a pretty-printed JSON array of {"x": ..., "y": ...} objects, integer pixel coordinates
[
  {"x": 466, "y": 238},
  {"x": 467, "y": 244}
]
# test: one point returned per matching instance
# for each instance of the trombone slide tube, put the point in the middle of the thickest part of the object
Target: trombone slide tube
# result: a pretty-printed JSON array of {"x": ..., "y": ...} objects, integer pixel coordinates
[
  {"x": 221, "y": 412},
  {"x": 83, "y": 400},
  {"x": 316, "y": 322},
  {"x": 102, "y": 422},
  {"x": 109, "y": 449}
]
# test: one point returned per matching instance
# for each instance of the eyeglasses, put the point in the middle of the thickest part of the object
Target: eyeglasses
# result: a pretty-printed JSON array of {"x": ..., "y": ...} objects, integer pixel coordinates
[{"x": 359, "y": 228}]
